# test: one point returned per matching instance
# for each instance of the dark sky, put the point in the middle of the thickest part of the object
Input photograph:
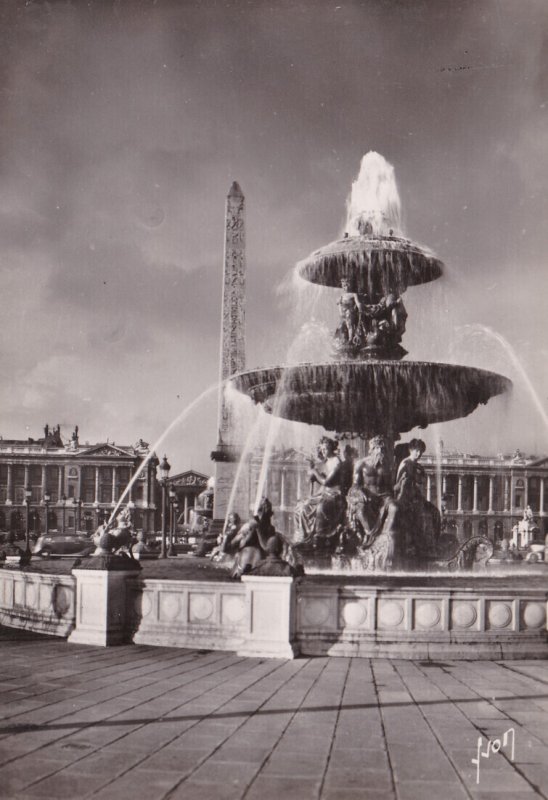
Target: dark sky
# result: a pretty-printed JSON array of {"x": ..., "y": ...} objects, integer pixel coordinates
[{"x": 123, "y": 125}]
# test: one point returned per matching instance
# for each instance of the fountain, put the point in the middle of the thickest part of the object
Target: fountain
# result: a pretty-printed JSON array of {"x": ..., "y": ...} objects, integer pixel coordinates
[{"x": 371, "y": 509}]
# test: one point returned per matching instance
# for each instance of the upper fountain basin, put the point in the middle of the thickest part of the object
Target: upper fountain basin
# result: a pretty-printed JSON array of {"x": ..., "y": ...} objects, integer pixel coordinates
[
  {"x": 373, "y": 397},
  {"x": 374, "y": 264}
]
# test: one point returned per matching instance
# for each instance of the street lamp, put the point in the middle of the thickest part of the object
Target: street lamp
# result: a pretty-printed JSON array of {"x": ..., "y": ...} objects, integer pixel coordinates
[
  {"x": 28, "y": 495},
  {"x": 172, "y": 500},
  {"x": 63, "y": 505},
  {"x": 165, "y": 466},
  {"x": 47, "y": 498}
]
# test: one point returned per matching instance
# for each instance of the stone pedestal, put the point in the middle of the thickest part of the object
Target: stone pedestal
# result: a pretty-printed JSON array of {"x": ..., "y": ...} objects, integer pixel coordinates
[
  {"x": 271, "y": 616},
  {"x": 101, "y": 604}
]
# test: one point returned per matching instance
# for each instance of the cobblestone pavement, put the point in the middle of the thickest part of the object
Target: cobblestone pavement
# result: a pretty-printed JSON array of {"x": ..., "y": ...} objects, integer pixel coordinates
[{"x": 152, "y": 723}]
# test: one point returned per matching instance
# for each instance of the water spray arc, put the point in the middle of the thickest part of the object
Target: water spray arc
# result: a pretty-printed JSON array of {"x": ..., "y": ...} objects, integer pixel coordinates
[{"x": 159, "y": 441}]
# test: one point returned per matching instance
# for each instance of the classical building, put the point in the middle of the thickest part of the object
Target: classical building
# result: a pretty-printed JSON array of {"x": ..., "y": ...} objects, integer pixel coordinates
[
  {"x": 484, "y": 495},
  {"x": 487, "y": 495},
  {"x": 184, "y": 489},
  {"x": 77, "y": 485}
]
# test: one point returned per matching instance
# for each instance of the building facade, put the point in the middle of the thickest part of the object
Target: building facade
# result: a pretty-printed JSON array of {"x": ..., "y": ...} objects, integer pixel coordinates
[
  {"x": 72, "y": 486},
  {"x": 478, "y": 495},
  {"x": 185, "y": 488}
]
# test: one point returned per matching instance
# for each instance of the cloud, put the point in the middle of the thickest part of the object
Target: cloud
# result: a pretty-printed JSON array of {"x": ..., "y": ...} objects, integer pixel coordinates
[{"x": 123, "y": 126}]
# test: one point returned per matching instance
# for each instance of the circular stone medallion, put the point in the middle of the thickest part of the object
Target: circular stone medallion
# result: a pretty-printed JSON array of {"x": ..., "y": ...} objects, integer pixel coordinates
[
  {"x": 315, "y": 612},
  {"x": 200, "y": 607},
  {"x": 233, "y": 609},
  {"x": 500, "y": 615},
  {"x": 354, "y": 614},
  {"x": 463, "y": 615},
  {"x": 534, "y": 615},
  {"x": 391, "y": 614},
  {"x": 427, "y": 615},
  {"x": 61, "y": 600}
]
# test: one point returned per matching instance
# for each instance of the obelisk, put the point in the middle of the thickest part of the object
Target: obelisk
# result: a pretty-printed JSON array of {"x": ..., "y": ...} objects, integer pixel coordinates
[{"x": 227, "y": 452}]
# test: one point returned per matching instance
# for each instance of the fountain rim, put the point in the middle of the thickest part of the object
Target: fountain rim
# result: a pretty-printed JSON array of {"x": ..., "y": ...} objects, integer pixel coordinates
[
  {"x": 370, "y": 362},
  {"x": 357, "y": 250},
  {"x": 344, "y": 385}
]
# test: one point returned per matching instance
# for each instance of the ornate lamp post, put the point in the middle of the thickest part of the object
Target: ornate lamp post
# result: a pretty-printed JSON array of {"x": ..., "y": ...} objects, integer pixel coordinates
[
  {"x": 28, "y": 495},
  {"x": 63, "y": 506},
  {"x": 172, "y": 500},
  {"x": 165, "y": 466},
  {"x": 47, "y": 498}
]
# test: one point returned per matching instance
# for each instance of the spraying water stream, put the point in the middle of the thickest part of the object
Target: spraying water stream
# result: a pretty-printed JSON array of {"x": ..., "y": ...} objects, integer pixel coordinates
[
  {"x": 178, "y": 419},
  {"x": 479, "y": 329}
]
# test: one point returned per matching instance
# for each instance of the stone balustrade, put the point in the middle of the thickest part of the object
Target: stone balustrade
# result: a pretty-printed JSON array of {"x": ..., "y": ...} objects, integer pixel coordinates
[
  {"x": 41, "y": 603},
  {"x": 280, "y": 617},
  {"x": 420, "y": 622},
  {"x": 173, "y": 613}
]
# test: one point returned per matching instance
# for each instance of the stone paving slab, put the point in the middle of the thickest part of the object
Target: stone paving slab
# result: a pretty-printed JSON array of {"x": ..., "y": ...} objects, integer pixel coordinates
[{"x": 170, "y": 724}]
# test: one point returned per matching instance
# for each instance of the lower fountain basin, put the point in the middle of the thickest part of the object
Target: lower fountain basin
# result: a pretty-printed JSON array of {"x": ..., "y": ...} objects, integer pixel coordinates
[{"x": 372, "y": 396}]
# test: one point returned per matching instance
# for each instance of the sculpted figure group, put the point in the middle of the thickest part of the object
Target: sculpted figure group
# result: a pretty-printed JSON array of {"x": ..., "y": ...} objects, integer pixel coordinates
[
  {"x": 369, "y": 325},
  {"x": 367, "y": 508},
  {"x": 372, "y": 509},
  {"x": 254, "y": 547}
]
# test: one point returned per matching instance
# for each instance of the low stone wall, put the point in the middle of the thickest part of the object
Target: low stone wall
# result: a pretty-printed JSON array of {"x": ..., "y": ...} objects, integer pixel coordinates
[
  {"x": 425, "y": 623},
  {"x": 209, "y": 615},
  {"x": 279, "y": 617},
  {"x": 41, "y": 603}
]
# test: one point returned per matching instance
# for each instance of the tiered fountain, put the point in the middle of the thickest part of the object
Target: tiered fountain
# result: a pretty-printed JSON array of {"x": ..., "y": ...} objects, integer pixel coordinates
[
  {"x": 378, "y": 567},
  {"x": 372, "y": 509}
]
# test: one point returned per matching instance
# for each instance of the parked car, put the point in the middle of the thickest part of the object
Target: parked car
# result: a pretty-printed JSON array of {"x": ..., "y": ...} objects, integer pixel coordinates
[
  {"x": 536, "y": 552},
  {"x": 60, "y": 544}
]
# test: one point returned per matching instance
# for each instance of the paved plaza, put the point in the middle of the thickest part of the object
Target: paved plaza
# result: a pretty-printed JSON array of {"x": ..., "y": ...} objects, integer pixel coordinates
[{"x": 153, "y": 723}]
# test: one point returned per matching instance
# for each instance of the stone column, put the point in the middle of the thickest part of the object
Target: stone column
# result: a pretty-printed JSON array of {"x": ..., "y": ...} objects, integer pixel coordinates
[
  {"x": 96, "y": 484},
  {"x": 79, "y": 483},
  {"x": 26, "y": 478},
  {"x": 9, "y": 494},
  {"x": 60, "y": 487},
  {"x": 186, "y": 508},
  {"x": 114, "y": 476},
  {"x": 429, "y": 488},
  {"x": 44, "y": 480},
  {"x": 491, "y": 492},
  {"x": 507, "y": 493},
  {"x": 541, "y": 498},
  {"x": 526, "y": 491},
  {"x": 459, "y": 494},
  {"x": 475, "y": 496},
  {"x": 282, "y": 488}
]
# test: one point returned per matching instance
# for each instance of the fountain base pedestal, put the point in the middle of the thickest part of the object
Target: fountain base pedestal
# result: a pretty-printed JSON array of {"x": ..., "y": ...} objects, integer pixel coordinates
[
  {"x": 271, "y": 606},
  {"x": 101, "y": 606}
]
